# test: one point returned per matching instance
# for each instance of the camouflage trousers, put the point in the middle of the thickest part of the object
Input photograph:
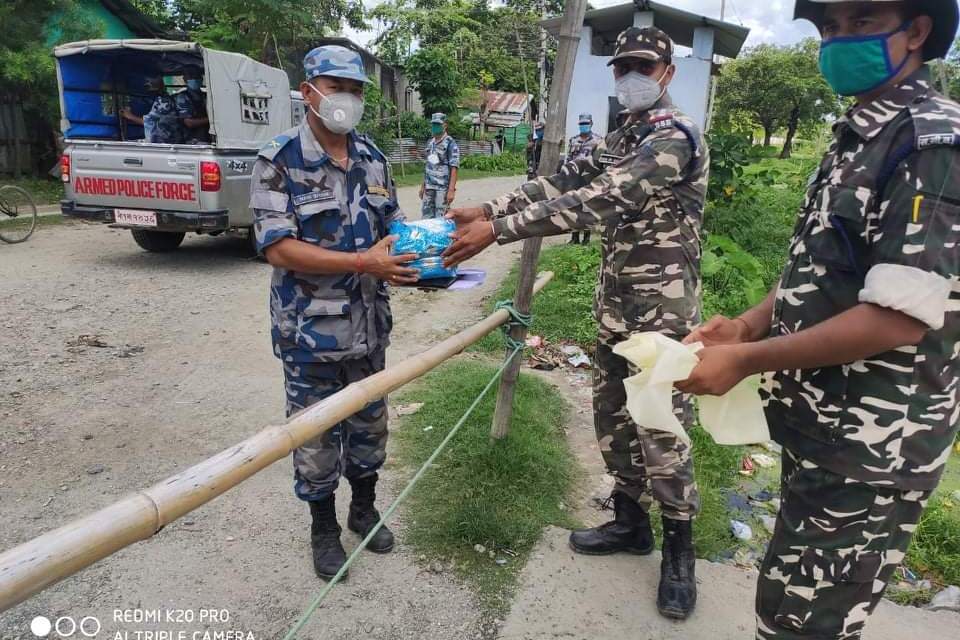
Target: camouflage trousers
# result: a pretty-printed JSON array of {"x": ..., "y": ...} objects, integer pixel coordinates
[
  {"x": 646, "y": 465},
  {"x": 434, "y": 204},
  {"x": 354, "y": 448},
  {"x": 835, "y": 547}
]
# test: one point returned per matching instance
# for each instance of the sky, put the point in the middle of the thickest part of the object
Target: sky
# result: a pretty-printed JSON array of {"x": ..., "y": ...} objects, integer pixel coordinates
[{"x": 768, "y": 20}]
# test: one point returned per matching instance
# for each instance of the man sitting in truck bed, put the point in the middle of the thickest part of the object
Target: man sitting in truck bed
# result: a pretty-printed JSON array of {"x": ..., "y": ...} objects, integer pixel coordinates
[
  {"x": 161, "y": 124},
  {"x": 192, "y": 107}
]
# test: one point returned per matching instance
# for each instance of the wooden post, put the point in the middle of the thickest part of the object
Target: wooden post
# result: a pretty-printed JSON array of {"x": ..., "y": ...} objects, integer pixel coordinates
[
  {"x": 555, "y": 129},
  {"x": 36, "y": 564}
]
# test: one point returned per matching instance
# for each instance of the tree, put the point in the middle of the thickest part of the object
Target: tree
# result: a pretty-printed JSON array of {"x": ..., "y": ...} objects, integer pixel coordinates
[
  {"x": 434, "y": 74},
  {"x": 27, "y": 72},
  {"x": 776, "y": 87}
]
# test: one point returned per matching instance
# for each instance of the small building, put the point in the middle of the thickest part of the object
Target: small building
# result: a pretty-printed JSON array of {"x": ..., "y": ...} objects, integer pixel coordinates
[
  {"x": 593, "y": 89},
  {"x": 503, "y": 109},
  {"x": 392, "y": 83}
]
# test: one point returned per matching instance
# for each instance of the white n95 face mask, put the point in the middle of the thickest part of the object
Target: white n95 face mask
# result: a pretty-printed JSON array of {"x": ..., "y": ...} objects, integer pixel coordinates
[
  {"x": 339, "y": 112},
  {"x": 638, "y": 92}
]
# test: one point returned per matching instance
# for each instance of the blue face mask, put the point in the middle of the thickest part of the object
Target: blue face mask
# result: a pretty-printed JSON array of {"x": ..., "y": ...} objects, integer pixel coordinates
[
  {"x": 194, "y": 84},
  {"x": 584, "y": 128},
  {"x": 856, "y": 65}
]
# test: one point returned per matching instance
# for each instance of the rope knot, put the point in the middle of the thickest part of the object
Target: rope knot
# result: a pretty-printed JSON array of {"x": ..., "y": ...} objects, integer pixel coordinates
[{"x": 517, "y": 319}]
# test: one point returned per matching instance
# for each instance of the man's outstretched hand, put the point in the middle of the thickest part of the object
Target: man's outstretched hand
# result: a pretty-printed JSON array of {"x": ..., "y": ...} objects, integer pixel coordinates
[
  {"x": 464, "y": 215},
  {"x": 469, "y": 239}
]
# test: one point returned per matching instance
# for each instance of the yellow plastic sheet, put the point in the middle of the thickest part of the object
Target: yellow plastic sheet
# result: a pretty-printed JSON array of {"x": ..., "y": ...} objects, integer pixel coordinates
[{"x": 733, "y": 419}]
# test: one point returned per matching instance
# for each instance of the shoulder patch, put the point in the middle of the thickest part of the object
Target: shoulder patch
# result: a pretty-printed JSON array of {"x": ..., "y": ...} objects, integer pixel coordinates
[
  {"x": 272, "y": 148},
  {"x": 936, "y": 122}
]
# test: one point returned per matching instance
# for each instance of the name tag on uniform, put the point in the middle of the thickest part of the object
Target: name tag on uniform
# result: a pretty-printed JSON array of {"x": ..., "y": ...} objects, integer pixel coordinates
[
  {"x": 377, "y": 190},
  {"x": 936, "y": 140},
  {"x": 313, "y": 196},
  {"x": 609, "y": 159}
]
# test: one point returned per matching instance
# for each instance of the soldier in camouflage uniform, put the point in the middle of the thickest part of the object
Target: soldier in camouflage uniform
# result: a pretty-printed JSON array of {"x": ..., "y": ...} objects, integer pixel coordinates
[
  {"x": 582, "y": 146},
  {"x": 323, "y": 197},
  {"x": 861, "y": 333},
  {"x": 645, "y": 186},
  {"x": 161, "y": 124}
]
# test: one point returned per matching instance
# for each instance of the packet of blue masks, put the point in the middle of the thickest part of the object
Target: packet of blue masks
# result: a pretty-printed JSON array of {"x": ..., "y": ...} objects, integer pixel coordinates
[{"x": 427, "y": 239}]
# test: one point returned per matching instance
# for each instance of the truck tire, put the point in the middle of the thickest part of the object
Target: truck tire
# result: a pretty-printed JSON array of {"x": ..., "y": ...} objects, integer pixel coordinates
[{"x": 157, "y": 241}]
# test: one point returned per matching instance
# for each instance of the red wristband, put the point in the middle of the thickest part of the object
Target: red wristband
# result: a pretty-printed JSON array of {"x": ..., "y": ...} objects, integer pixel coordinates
[{"x": 356, "y": 262}]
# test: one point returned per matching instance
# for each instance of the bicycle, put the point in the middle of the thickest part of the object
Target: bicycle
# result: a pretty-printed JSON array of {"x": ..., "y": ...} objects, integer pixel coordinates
[{"x": 18, "y": 214}]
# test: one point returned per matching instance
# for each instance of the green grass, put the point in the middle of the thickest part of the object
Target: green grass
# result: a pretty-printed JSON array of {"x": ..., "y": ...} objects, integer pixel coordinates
[
  {"x": 42, "y": 221},
  {"x": 562, "y": 312},
  {"x": 497, "y": 494},
  {"x": 42, "y": 190}
]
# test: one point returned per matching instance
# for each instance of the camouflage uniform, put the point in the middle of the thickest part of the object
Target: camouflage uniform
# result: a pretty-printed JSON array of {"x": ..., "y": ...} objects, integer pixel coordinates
[
  {"x": 865, "y": 443},
  {"x": 441, "y": 157},
  {"x": 161, "y": 124},
  {"x": 190, "y": 105},
  {"x": 579, "y": 147},
  {"x": 329, "y": 330},
  {"x": 644, "y": 185}
]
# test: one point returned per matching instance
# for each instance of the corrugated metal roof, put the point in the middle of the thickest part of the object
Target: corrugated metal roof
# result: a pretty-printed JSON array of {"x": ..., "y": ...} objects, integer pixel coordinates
[{"x": 503, "y": 102}]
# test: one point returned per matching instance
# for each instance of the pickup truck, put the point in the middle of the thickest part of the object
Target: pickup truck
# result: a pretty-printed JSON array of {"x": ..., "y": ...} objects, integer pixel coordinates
[{"x": 161, "y": 192}]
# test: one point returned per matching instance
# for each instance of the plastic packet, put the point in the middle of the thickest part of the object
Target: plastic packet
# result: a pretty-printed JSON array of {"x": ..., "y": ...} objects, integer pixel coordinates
[
  {"x": 432, "y": 267},
  {"x": 422, "y": 237}
]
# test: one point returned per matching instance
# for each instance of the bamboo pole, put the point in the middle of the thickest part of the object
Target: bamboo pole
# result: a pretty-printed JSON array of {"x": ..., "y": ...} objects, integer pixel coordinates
[
  {"x": 554, "y": 132},
  {"x": 36, "y": 564}
]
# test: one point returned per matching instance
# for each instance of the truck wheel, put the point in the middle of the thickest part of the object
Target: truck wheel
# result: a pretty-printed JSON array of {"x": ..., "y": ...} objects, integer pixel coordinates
[{"x": 157, "y": 241}]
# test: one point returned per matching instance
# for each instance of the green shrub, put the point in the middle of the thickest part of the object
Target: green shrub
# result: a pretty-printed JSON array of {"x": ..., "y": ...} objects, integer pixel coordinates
[{"x": 499, "y": 162}]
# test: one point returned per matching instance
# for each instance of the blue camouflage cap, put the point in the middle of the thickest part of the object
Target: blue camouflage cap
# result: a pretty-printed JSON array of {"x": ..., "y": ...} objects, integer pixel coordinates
[
  {"x": 438, "y": 118},
  {"x": 585, "y": 118},
  {"x": 336, "y": 61}
]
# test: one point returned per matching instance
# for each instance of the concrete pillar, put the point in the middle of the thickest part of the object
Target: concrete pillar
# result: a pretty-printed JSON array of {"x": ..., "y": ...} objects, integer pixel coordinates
[
  {"x": 643, "y": 19},
  {"x": 703, "y": 43}
]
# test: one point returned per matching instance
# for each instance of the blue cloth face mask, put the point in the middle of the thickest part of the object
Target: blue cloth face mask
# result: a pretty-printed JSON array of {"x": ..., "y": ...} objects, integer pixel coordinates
[
  {"x": 436, "y": 129},
  {"x": 854, "y": 65},
  {"x": 584, "y": 128},
  {"x": 194, "y": 84}
]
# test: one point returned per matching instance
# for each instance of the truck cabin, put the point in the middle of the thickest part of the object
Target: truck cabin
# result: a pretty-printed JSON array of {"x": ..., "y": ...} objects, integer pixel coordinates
[{"x": 128, "y": 94}]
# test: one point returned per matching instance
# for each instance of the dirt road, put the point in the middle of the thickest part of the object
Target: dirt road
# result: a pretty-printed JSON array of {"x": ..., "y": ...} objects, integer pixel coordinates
[{"x": 177, "y": 366}]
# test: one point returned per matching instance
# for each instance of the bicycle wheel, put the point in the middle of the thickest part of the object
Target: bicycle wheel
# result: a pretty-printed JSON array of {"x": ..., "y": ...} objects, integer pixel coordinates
[{"x": 18, "y": 214}]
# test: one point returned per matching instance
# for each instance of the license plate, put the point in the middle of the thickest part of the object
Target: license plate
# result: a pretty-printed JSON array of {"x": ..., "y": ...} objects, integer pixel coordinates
[{"x": 135, "y": 217}]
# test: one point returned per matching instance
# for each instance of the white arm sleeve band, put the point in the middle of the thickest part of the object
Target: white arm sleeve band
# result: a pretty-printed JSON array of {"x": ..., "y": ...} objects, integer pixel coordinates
[{"x": 919, "y": 294}]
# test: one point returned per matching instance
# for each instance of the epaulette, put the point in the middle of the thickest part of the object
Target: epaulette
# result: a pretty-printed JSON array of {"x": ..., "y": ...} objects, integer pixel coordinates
[
  {"x": 270, "y": 150},
  {"x": 936, "y": 122}
]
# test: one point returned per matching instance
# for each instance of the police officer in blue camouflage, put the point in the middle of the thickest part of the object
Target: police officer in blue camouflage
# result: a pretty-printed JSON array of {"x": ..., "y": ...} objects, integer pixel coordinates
[
  {"x": 191, "y": 106},
  {"x": 580, "y": 147},
  {"x": 160, "y": 124},
  {"x": 442, "y": 155},
  {"x": 323, "y": 197}
]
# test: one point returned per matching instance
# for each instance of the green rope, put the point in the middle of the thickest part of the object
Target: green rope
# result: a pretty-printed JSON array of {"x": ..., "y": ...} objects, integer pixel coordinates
[
  {"x": 517, "y": 319},
  {"x": 309, "y": 611}
]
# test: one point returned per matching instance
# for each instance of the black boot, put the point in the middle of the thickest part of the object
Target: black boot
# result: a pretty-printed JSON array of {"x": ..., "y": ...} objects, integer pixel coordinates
[
  {"x": 629, "y": 531},
  {"x": 677, "y": 594},
  {"x": 328, "y": 553},
  {"x": 586, "y": 237},
  {"x": 364, "y": 516},
  {"x": 574, "y": 238}
]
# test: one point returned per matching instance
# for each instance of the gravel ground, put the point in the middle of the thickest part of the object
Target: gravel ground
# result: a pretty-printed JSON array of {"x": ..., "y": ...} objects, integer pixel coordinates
[{"x": 119, "y": 368}]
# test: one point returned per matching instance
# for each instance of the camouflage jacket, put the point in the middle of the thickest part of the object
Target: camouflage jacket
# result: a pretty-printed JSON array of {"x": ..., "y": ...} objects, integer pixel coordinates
[
  {"x": 298, "y": 192},
  {"x": 446, "y": 152},
  {"x": 161, "y": 124},
  {"x": 645, "y": 184},
  {"x": 578, "y": 148},
  {"x": 192, "y": 105},
  {"x": 880, "y": 224}
]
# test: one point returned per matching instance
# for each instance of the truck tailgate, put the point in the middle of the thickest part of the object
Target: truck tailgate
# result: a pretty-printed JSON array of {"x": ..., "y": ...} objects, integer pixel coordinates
[{"x": 135, "y": 176}]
